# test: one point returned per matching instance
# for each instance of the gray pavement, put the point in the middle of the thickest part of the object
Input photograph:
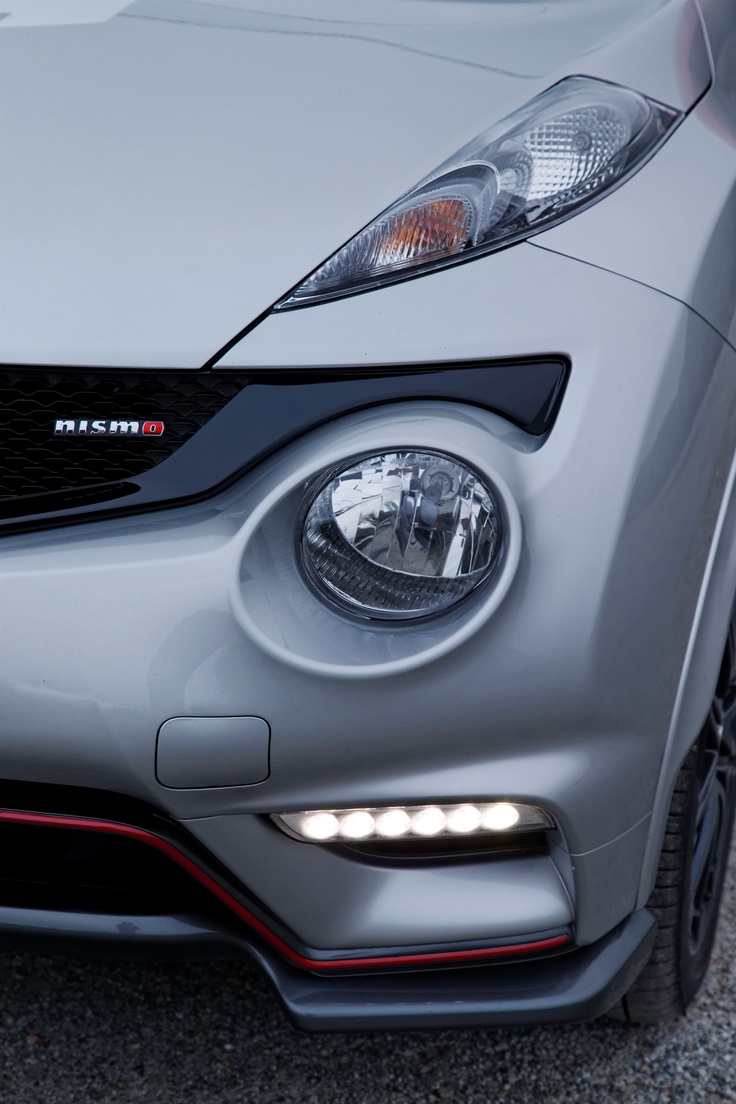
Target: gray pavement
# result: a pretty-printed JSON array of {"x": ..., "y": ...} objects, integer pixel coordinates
[{"x": 74, "y": 1032}]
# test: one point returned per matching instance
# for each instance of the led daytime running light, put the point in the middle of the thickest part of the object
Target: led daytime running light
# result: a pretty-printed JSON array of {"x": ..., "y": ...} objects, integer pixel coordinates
[{"x": 412, "y": 822}]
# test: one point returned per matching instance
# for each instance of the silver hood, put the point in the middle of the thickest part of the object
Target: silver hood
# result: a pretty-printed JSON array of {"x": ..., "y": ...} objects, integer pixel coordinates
[{"x": 169, "y": 168}]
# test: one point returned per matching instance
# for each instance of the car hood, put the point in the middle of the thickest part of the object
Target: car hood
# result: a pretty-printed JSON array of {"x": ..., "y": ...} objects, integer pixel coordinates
[{"x": 172, "y": 167}]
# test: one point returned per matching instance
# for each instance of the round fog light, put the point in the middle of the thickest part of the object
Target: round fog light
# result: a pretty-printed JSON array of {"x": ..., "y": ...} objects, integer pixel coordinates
[{"x": 404, "y": 534}]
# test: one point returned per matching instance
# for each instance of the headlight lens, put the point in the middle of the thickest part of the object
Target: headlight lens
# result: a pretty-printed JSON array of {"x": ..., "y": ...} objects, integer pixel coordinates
[
  {"x": 564, "y": 150},
  {"x": 400, "y": 535}
]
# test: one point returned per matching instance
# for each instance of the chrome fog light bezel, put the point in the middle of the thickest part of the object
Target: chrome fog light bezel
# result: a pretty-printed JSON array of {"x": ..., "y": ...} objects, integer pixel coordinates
[{"x": 351, "y": 607}]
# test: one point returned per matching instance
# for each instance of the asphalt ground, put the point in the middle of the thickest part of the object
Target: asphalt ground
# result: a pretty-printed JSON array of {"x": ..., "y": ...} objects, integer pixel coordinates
[{"x": 74, "y": 1032}]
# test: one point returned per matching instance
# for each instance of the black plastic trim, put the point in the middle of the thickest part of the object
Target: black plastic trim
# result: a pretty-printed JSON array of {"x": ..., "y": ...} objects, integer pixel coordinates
[
  {"x": 277, "y": 405},
  {"x": 568, "y": 988},
  {"x": 71, "y": 499}
]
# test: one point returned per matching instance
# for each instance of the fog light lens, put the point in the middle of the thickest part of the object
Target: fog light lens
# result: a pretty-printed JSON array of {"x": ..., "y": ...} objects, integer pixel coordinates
[
  {"x": 413, "y": 822},
  {"x": 402, "y": 534}
]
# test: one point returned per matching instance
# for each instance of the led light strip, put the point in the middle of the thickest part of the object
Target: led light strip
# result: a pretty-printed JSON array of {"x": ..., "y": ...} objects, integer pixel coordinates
[{"x": 412, "y": 822}]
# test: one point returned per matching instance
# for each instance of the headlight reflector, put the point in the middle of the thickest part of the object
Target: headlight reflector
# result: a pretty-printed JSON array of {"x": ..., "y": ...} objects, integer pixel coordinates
[
  {"x": 565, "y": 149},
  {"x": 401, "y": 535}
]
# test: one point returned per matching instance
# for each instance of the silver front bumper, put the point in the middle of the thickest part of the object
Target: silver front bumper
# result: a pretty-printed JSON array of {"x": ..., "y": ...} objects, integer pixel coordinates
[{"x": 560, "y": 689}]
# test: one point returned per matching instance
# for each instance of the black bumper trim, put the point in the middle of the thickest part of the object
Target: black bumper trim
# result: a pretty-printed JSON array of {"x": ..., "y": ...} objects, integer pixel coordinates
[
  {"x": 567, "y": 988},
  {"x": 275, "y": 406}
]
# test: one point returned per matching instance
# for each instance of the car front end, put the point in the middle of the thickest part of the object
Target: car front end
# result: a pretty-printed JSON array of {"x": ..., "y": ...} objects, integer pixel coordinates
[{"x": 362, "y": 619}]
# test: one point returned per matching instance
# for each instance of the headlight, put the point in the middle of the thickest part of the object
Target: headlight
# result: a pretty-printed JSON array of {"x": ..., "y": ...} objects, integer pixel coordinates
[
  {"x": 563, "y": 151},
  {"x": 400, "y": 535}
]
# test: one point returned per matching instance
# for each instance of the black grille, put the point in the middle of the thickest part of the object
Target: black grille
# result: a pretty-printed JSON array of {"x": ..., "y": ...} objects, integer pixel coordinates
[
  {"x": 228, "y": 420},
  {"x": 61, "y": 868},
  {"x": 35, "y": 462}
]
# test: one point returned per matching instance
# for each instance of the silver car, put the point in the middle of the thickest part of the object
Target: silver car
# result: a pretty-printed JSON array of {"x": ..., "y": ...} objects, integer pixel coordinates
[{"x": 367, "y": 447}]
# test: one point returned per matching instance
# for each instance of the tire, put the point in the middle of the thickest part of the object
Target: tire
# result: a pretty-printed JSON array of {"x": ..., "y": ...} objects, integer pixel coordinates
[{"x": 687, "y": 893}]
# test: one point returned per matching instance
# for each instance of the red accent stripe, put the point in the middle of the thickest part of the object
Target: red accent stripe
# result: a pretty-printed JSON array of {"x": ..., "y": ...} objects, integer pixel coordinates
[{"x": 166, "y": 848}]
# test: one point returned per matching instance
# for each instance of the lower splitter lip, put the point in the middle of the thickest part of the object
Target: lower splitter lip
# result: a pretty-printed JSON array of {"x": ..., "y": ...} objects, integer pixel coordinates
[
  {"x": 409, "y": 988},
  {"x": 568, "y": 988},
  {"x": 564, "y": 988}
]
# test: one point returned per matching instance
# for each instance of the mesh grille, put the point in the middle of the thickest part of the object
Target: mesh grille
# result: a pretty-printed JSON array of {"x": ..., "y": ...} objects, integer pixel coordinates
[{"x": 33, "y": 461}]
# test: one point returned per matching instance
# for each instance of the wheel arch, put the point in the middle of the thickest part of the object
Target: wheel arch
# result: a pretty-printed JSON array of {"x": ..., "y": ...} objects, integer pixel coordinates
[{"x": 700, "y": 671}]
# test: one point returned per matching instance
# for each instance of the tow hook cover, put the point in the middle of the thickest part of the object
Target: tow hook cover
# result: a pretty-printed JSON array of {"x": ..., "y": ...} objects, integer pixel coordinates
[{"x": 198, "y": 752}]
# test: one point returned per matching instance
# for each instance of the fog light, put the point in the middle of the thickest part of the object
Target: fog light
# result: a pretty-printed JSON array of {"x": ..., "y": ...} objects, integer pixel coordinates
[
  {"x": 400, "y": 535},
  {"x": 413, "y": 822}
]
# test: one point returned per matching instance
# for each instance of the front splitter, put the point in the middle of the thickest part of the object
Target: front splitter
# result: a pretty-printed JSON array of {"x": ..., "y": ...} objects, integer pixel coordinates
[{"x": 564, "y": 988}]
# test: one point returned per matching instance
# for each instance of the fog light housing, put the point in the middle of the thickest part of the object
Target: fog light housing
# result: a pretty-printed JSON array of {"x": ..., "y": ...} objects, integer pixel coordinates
[
  {"x": 413, "y": 822},
  {"x": 402, "y": 534}
]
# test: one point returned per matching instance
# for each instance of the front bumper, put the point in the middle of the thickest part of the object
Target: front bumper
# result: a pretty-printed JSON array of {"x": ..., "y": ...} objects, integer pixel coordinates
[
  {"x": 546, "y": 980},
  {"x": 559, "y": 695}
]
